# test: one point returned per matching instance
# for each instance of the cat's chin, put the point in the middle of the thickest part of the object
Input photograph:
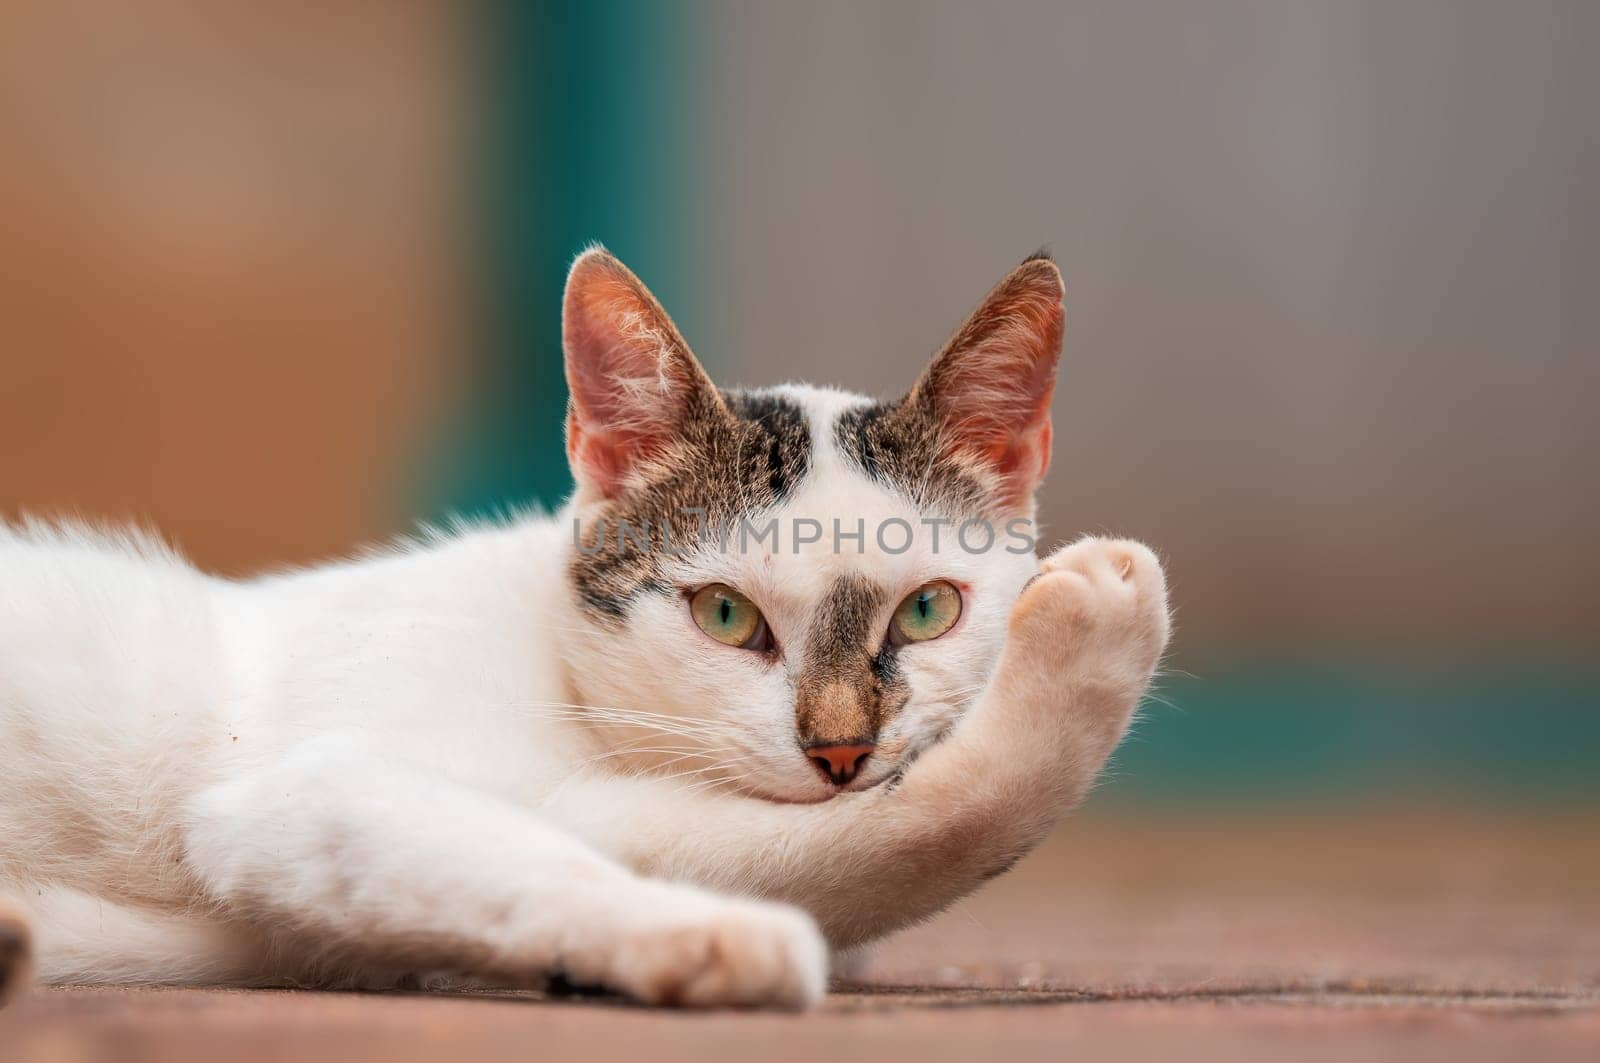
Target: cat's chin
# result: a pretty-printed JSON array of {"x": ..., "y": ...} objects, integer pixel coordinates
[
  {"x": 820, "y": 796},
  {"x": 803, "y": 799}
]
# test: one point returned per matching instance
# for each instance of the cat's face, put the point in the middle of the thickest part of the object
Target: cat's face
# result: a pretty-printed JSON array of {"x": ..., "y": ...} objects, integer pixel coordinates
[{"x": 795, "y": 591}]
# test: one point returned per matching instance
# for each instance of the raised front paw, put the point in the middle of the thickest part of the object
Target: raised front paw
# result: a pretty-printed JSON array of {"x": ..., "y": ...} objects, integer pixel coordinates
[
  {"x": 1094, "y": 620},
  {"x": 704, "y": 951}
]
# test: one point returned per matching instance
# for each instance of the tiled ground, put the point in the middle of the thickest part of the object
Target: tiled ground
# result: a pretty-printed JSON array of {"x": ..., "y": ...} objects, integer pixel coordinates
[{"x": 1375, "y": 936}]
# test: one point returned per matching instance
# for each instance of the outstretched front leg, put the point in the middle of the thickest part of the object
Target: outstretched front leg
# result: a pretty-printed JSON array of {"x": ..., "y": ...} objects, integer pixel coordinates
[
  {"x": 1084, "y": 641},
  {"x": 361, "y": 866}
]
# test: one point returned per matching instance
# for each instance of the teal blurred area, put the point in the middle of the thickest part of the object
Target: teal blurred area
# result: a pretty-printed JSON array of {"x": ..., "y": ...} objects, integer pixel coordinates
[
  {"x": 589, "y": 127},
  {"x": 1264, "y": 734}
]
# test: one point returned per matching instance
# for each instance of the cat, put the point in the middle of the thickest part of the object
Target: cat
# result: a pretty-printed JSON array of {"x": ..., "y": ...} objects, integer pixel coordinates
[{"x": 677, "y": 741}]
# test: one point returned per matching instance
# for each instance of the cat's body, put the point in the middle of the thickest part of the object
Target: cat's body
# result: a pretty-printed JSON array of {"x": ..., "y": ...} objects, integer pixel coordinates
[{"x": 505, "y": 752}]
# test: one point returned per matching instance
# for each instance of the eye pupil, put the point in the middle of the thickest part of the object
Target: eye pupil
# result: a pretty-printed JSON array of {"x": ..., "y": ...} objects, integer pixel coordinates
[
  {"x": 927, "y": 612},
  {"x": 728, "y": 616}
]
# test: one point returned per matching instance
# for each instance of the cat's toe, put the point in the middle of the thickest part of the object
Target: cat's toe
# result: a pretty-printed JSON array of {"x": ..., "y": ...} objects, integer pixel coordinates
[
  {"x": 1113, "y": 589},
  {"x": 1109, "y": 563},
  {"x": 740, "y": 954},
  {"x": 1095, "y": 615}
]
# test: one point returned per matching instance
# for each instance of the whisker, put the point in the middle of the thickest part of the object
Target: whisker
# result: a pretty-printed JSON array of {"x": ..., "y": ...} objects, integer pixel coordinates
[{"x": 613, "y": 714}]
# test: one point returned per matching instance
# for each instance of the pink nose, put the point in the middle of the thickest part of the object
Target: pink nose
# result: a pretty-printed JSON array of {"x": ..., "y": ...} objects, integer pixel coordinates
[{"x": 839, "y": 764}]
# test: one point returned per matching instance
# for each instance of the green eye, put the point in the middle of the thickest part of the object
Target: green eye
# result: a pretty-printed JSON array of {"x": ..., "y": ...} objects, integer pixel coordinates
[
  {"x": 928, "y": 612},
  {"x": 729, "y": 617}
]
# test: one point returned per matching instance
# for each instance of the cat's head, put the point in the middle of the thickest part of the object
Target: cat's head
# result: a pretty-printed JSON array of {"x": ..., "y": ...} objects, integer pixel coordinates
[{"x": 794, "y": 591}]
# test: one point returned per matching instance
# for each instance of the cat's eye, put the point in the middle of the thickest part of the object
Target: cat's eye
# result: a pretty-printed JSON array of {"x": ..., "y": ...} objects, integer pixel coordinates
[
  {"x": 729, "y": 617},
  {"x": 927, "y": 612}
]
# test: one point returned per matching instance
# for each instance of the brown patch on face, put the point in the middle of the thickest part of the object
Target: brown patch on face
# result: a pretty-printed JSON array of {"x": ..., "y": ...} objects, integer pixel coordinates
[
  {"x": 898, "y": 444},
  {"x": 735, "y": 453},
  {"x": 658, "y": 453},
  {"x": 849, "y": 685}
]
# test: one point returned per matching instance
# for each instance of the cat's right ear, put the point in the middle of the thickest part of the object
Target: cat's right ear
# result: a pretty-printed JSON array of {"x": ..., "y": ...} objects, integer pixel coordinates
[
  {"x": 632, "y": 378},
  {"x": 989, "y": 389}
]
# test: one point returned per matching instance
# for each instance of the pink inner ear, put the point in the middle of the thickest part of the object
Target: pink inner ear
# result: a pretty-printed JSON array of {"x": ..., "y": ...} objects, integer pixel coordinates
[
  {"x": 629, "y": 372},
  {"x": 993, "y": 382},
  {"x": 1023, "y": 461},
  {"x": 601, "y": 460},
  {"x": 1020, "y": 458}
]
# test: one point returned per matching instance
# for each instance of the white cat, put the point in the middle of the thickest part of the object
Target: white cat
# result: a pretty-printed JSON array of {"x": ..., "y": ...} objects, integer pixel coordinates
[{"x": 678, "y": 761}]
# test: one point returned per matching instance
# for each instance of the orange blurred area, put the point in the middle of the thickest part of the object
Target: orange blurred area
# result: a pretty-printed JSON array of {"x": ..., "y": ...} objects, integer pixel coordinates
[{"x": 231, "y": 264}]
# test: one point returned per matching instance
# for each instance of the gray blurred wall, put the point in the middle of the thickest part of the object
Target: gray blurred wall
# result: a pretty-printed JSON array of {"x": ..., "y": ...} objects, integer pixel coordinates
[{"x": 1331, "y": 271}]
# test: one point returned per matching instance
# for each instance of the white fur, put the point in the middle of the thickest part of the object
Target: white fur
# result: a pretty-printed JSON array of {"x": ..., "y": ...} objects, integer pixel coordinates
[{"x": 432, "y": 759}]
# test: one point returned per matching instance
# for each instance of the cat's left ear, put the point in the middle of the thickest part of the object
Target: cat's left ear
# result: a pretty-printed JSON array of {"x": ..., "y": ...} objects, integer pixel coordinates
[
  {"x": 633, "y": 380},
  {"x": 989, "y": 388}
]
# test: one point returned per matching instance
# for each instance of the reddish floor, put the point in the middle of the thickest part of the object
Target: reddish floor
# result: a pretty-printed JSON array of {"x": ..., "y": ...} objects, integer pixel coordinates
[{"x": 1385, "y": 938}]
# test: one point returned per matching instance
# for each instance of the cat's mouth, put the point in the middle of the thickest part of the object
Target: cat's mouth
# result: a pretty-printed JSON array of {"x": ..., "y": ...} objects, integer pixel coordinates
[
  {"x": 887, "y": 773},
  {"x": 820, "y": 796}
]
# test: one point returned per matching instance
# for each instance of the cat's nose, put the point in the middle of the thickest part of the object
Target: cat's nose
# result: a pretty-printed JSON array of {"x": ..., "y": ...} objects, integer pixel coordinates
[{"x": 839, "y": 764}]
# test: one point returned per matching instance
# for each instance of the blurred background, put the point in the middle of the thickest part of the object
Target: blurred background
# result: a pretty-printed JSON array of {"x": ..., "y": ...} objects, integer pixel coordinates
[{"x": 280, "y": 279}]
